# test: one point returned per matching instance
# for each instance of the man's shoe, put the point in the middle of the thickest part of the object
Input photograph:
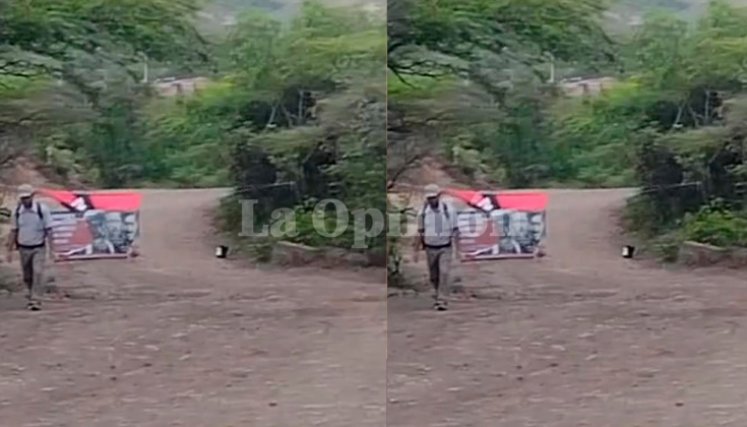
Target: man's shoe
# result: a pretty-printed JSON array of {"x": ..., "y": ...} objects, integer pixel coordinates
[{"x": 440, "y": 305}]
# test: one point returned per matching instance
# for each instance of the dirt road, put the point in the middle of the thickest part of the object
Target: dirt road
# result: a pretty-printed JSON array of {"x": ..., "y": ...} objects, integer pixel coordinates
[
  {"x": 180, "y": 338},
  {"x": 580, "y": 338}
]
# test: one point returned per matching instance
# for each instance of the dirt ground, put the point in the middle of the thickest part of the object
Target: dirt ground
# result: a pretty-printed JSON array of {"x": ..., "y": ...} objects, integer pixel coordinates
[
  {"x": 580, "y": 338},
  {"x": 180, "y": 338}
]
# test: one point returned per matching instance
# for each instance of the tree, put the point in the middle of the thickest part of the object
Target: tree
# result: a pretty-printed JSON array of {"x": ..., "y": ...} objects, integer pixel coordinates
[
  {"x": 90, "y": 48},
  {"x": 47, "y": 36},
  {"x": 317, "y": 91},
  {"x": 427, "y": 37}
]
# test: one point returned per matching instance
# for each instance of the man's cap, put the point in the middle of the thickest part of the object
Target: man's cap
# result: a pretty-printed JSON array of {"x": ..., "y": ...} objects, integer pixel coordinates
[
  {"x": 25, "y": 190},
  {"x": 432, "y": 190}
]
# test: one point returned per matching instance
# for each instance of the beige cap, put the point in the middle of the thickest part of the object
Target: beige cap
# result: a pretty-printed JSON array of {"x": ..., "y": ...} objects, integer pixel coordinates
[
  {"x": 432, "y": 190},
  {"x": 25, "y": 190}
]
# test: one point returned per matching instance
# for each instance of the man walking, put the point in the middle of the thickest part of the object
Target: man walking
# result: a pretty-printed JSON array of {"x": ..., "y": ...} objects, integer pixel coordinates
[
  {"x": 437, "y": 230},
  {"x": 31, "y": 235}
]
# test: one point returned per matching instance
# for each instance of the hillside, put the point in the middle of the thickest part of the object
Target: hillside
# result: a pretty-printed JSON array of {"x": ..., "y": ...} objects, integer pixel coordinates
[
  {"x": 628, "y": 13},
  {"x": 218, "y": 14},
  {"x": 624, "y": 11}
]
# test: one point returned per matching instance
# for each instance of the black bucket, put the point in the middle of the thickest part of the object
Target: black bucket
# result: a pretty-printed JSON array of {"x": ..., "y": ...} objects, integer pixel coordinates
[
  {"x": 221, "y": 251},
  {"x": 628, "y": 251}
]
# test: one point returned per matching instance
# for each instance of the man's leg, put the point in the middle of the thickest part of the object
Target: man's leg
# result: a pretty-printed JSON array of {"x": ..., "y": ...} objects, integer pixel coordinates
[
  {"x": 38, "y": 264},
  {"x": 444, "y": 268},
  {"x": 432, "y": 256},
  {"x": 26, "y": 257}
]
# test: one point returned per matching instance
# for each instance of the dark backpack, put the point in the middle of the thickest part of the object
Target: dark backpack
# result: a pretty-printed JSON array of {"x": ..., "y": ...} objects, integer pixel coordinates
[{"x": 444, "y": 205}]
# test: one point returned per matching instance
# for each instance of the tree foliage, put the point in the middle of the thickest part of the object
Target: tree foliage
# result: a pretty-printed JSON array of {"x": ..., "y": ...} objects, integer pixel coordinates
[
  {"x": 319, "y": 109},
  {"x": 473, "y": 77},
  {"x": 425, "y": 36},
  {"x": 298, "y": 116},
  {"x": 80, "y": 61},
  {"x": 687, "y": 131}
]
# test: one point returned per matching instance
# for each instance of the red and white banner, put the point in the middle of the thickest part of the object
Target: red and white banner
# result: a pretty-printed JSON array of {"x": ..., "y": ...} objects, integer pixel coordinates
[
  {"x": 95, "y": 225},
  {"x": 501, "y": 225}
]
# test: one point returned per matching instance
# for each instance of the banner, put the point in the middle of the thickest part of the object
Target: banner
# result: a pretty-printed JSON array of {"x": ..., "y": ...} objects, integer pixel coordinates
[
  {"x": 501, "y": 226},
  {"x": 94, "y": 225}
]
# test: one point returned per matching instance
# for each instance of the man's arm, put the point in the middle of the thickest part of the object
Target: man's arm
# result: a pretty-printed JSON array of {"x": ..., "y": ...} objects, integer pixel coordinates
[
  {"x": 48, "y": 230},
  {"x": 12, "y": 236},
  {"x": 421, "y": 229},
  {"x": 10, "y": 245},
  {"x": 455, "y": 232}
]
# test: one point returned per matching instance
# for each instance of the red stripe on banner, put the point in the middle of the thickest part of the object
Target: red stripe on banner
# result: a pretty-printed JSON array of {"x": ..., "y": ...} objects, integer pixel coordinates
[
  {"x": 62, "y": 196},
  {"x": 123, "y": 202},
  {"x": 533, "y": 202},
  {"x": 525, "y": 201}
]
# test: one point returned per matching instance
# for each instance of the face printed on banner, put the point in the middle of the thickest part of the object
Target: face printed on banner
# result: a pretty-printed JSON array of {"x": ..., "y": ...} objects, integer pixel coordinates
[
  {"x": 114, "y": 224},
  {"x": 537, "y": 226},
  {"x": 96, "y": 223},
  {"x": 130, "y": 227},
  {"x": 519, "y": 224}
]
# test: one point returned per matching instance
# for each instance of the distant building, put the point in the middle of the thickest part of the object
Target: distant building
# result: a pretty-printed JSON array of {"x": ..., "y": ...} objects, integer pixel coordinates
[
  {"x": 175, "y": 87},
  {"x": 586, "y": 87}
]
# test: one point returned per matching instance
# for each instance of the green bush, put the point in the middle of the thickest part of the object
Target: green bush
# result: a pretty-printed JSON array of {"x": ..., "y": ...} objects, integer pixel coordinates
[
  {"x": 262, "y": 250},
  {"x": 228, "y": 218},
  {"x": 716, "y": 226},
  {"x": 397, "y": 219},
  {"x": 306, "y": 233},
  {"x": 640, "y": 217},
  {"x": 667, "y": 247},
  {"x": 395, "y": 278}
]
